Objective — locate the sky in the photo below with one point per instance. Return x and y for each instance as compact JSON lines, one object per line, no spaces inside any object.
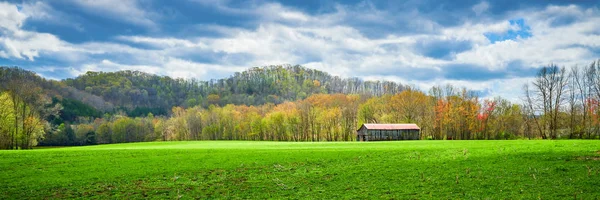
{"x":493,"y":47}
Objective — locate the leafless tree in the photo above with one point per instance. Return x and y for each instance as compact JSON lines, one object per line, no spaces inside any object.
{"x":531,"y":111}
{"x":549,"y":86}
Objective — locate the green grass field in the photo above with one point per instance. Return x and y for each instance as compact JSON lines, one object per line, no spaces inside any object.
{"x":515,"y":169}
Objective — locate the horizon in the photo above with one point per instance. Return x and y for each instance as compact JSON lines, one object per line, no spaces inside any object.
{"x":491,"y":47}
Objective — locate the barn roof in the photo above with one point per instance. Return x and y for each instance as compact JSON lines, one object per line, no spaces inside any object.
{"x":391,"y":126}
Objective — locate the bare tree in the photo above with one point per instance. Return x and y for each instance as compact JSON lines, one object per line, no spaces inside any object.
{"x":573,"y":106}
{"x":530,"y":110}
{"x":582,"y":80}
{"x":549,"y":87}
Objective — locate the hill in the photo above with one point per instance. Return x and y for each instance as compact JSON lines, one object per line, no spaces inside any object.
{"x":256,"y":86}
{"x":139,"y":93}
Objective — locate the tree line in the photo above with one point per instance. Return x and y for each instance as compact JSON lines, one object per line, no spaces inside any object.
{"x":559,"y":103}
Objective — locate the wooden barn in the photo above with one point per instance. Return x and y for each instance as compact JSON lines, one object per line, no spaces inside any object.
{"x":380,"y":132}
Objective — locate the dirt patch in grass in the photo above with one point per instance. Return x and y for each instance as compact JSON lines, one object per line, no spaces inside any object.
{"x":588,"y":158}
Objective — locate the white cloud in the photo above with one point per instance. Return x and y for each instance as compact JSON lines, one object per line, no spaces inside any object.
{"x":563,"y":45}
{"x":121,"y":10}
{"x":162,"y":42}
{"x":10,"y":17}
{"x":37,"y":10}
{"x":266,"y":12}
{"x":276,"y":12}
{"x":21,"y":44}
{"x":474,"y":32}
{"x":28,"y":45}
{"x":41,"y":11}
{"x":480,"y":7}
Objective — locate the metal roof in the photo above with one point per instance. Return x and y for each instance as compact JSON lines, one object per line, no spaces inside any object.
{"x":391,"y":126}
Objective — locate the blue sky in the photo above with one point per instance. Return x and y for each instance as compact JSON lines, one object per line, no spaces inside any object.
{"x":489,"y":46}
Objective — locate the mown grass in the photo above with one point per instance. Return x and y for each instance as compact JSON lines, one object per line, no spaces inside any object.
{"x":515,"y":169}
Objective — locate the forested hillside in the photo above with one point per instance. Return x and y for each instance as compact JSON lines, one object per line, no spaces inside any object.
{"x":140,"y":93}
{"x":17,"y":79}
{"x":284,"y":103}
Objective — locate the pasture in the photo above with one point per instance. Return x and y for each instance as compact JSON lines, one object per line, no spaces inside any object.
{"x":516,"y":169}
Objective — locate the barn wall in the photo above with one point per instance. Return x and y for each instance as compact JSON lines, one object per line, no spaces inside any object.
{"x":382,"y":135}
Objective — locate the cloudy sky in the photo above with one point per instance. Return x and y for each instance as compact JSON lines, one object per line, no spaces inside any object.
{"x":490,"y":46}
